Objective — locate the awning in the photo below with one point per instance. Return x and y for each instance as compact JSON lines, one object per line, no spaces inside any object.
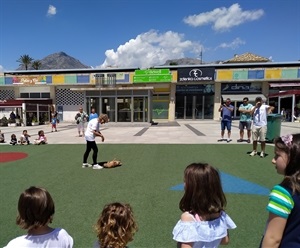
{"x":284,"y":84}
{"x":239,"y":98}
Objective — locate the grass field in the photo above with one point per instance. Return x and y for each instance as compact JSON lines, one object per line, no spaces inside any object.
{"x":144,"y":181}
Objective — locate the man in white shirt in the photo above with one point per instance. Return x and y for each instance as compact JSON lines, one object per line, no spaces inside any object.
{"x":259,"y":129}
{"x":92,"y":131}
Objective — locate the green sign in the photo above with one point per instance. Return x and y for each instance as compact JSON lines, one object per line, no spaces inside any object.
{"x":152,"y":78}
{"x":152,"y":72}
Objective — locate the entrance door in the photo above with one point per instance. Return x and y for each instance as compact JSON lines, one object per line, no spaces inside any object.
{"x":139,"y":111}
{"x":194,"y":107}
{"x":108,"y":107}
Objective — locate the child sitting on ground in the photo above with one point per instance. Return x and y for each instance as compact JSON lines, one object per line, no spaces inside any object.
{"x":115,"y":226}
{"x":42,"y":139}
{"x":13,"y":139}
{"x":25,"y":138}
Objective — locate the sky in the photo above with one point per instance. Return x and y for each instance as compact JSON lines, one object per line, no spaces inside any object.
{"x":146,"y":33}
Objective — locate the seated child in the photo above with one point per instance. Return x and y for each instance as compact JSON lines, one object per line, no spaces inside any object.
{"x":2,"y":140}
{"x":42,"y":139}
{"x":13,"y":139}
{"x":36,"y":209}
{"x":25,"y":138}
{"x":115,"y":226}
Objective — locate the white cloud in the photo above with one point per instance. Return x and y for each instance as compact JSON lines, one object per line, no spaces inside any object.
{"x":150,"y":49}
{"x":1,"y":68}
{"x":51,"y":10}
{"x":232,"y":45}
{"x":222,"y":19}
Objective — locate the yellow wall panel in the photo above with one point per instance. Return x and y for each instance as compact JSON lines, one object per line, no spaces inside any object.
{"x":272,"y":73}
{"x":174,"y":76}
{"x":223,"y":75}
{"x":58,"y":79}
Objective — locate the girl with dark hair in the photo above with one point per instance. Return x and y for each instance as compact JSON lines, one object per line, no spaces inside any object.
{"x":283,"y":225}
{"x":36,"y":210}
{"x":203,"y":222}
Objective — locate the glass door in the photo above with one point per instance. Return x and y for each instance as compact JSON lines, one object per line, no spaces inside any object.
{"x":108,"y":107}
{"x":139,"y":114}
{"x":124,"y":107}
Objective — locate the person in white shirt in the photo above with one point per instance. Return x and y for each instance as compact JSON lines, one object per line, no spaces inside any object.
{"x":259,"y":128}
{"x":36,"y":209}
{"x":92,"y":131}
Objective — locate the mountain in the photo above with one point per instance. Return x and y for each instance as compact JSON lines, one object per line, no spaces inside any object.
{"x":59,"y":60}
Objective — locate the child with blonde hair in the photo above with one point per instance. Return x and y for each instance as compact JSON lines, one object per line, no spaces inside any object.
{"x":283,"y":225}
{"x":116,"y":226}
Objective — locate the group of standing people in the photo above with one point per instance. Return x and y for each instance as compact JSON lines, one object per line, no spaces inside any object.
{"x":253,"y":118}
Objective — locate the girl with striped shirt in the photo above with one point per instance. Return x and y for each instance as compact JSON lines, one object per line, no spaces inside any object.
{"x":283,"y":225}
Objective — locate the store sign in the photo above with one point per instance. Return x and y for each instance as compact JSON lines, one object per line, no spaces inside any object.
{"x":29,"y":80}
{"x":202,"y":89}
{"x":241,"y":88}
{"x":186,"y":75}
{"x":152,"y":76}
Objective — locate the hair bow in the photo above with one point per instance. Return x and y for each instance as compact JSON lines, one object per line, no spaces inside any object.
{"x":287,"y":139}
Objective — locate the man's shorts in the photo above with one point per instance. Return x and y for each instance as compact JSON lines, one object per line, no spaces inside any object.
{"x":245,"y":124}
{"x":226,"y":124}
{"x":259,"y":133}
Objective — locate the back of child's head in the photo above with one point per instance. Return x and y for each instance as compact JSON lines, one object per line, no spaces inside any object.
{"x":290,"y":144}
{"x":203,"y":190}
{"x":41,"y":132}
{"x":35,"y":207}
{"x":116,"y":225}
{"x":13,"y":136}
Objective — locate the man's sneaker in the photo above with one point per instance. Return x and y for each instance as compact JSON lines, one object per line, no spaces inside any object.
{"x":253,"y":153}
{"x":262,"y":155}
{"x":97,"y":167}
{"x":228,"y":140}
{"x":240,"y":140}
{"x":219,"y":140}
{"x":248,"y":141}
{"x":86,"y":165}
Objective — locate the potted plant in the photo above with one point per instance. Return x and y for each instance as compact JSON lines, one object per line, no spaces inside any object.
{"x":3,"y":121}
{"x":34,"y":121}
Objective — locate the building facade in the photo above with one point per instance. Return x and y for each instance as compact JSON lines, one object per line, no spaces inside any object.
{"x":163,"y":93}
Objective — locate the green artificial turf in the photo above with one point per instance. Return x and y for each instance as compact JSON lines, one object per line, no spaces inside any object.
{"x":144,"y":181}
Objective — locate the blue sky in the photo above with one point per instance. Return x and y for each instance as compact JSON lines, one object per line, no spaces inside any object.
{"x":144,"y":33}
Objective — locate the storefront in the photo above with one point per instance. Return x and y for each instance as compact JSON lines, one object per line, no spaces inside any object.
{"x":195,"y":93}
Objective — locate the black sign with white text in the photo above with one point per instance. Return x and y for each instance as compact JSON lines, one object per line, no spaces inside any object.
{"x":195,"y":74}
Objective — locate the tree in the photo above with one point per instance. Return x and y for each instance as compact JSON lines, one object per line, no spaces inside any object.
{"x":36,"y":64}
{"x":25,"y":60}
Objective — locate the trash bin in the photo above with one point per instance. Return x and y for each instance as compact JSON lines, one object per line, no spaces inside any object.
{"x":274,"y":126}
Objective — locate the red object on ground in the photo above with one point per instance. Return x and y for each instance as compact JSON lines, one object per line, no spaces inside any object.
{"x":11,"y":156}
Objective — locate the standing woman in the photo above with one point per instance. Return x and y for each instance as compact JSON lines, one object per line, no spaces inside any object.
{"x":81,"y":118}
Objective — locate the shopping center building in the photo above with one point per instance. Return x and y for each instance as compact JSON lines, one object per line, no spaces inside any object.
{"x":162,"y":93}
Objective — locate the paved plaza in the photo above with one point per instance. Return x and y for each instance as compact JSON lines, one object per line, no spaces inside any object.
{"x":179,"y":132}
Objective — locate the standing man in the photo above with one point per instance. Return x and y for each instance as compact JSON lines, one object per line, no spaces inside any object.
{"x":93,"y":114}
{"x":245,"y":119}
{"x":93,"y":130}
{"x":81,"y":118}
{"x":226,"y":112}
{"x":259,"y":130}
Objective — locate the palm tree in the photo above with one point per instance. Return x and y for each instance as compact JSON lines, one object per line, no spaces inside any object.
{"x":25,"y":60}
{"x":36,"y":64}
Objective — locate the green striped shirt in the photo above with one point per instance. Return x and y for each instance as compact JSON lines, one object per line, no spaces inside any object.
{"x":280,"y":202}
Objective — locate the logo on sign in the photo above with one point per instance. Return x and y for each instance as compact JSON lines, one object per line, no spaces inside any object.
{"x":195,"y":73}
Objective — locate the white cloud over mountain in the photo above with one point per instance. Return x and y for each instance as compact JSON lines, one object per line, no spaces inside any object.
{"x":149,"y":49}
